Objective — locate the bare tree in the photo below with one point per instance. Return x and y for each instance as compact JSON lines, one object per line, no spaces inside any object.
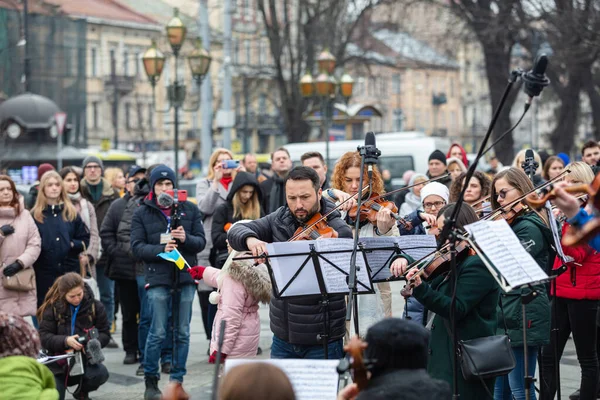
{"x":297,"y":31}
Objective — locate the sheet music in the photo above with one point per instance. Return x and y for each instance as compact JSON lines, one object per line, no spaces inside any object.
{"x":502,"y":247}
{"x":336,"y":281}
{"x":311,"y":379}
{"x":416,"y":246}
{"x":285,"y":267}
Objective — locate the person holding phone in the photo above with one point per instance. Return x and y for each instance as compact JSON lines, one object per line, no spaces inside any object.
{"x":211,"y":193}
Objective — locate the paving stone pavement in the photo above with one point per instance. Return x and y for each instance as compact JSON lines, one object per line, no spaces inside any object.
{"x":124,"y":384}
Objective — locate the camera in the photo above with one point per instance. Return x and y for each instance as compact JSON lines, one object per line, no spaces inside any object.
{"x":231,"y":164}
{"x":180,"y":197}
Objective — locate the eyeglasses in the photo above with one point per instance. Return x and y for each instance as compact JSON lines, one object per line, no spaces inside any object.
{"x":503,"y":192}
{"x":92,"y":167}
{"x":436,"y":204}
{"x":133,"y":180}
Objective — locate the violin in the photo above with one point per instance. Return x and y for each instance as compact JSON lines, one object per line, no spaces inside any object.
{"x":315,"y":228}
{"x":574,"y":236}
{"x":511,"y":213}
{"x":538,"y":202}
{"x":370,"y":208}
{"x":357,"y":365}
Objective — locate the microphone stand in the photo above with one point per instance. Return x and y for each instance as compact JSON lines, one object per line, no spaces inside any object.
{"x":175,"y":289}
{"x":449,"y":232}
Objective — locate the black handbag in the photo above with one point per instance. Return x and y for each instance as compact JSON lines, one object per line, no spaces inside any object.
{"x":485,"y":357}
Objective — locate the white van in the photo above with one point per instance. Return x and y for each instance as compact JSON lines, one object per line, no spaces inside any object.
{"x":400,"y":151}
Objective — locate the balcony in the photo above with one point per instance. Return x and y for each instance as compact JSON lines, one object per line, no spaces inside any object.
{"x":124,"y":84}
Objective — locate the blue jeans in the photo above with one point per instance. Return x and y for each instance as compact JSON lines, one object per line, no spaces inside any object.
{"x":145,"y":322}
{"x":158,"y":299}
{"x":283,"y":349}
{"x":106,"y":286}
{"x":513,"y":385}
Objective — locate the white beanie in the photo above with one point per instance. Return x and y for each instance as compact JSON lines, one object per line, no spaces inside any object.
{"x":435,"y":188}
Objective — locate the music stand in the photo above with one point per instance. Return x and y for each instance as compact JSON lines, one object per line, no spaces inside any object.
{"x":328,"y":275}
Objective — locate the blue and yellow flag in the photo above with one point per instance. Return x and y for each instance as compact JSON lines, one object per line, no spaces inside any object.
{"x":174,"y":256}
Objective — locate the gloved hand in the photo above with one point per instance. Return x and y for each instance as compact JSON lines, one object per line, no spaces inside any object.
{"x":7,"y":230}
{"x":12,"y":269}
{"x":213,"y":358}
{"x":197,"y":272}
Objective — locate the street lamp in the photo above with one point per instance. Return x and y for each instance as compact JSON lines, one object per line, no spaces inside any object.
{"x":324,"y":88}
{"x":154,"y":61}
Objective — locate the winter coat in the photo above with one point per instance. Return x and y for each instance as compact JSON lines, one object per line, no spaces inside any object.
{"x":23,"y":378}
{"x":273,"y":192}
{"x":417,"y":224}
{"x":86,"y":211}
{"x":445,"y":181}
{"x":476,"y":316}
{"x":24,"y":245}
{"x":296,"y":321}
{"x":242,"y":286}
{"x":224,"y":213}
{"x":57,"y":256}
{"x":405,"y":384}
{"x":126,"y":266}
{"x":209,"y":200}
{"x":582,"y":218}
{"x":579,"y":281}
{"x":535,"y":237}
{"x":55,"y":325}
{"x":109,"y":194}
{"x":148,"y":224}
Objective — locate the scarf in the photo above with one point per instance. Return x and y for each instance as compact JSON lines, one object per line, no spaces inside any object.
{"x":277,"y":193}
{"x":84,"y":206}
{"x":225,"y":181}
{"x":413,"y":201}
{"x":95,"y":191}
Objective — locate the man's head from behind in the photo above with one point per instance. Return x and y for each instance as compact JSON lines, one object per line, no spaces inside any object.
{"x":303,"y":193}
{"x":590,"y":152}
{"x":395,"y":343}
{"x":315,"y":160}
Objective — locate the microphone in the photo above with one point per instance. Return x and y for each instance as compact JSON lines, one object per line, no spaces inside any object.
{"x":536,"y":80}
{"x":529,"y":165}
{"x":165,"y":201}
{"x":371,"y":152}
{"x":94,"y":351}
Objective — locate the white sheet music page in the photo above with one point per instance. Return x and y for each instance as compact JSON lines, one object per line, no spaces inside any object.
{"x":502,"y":247}
{"x":285,"y":267}
{"x":311,"y":379}
{"x":335,"y":280}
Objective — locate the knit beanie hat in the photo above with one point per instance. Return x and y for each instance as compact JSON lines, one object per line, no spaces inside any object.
{"x":564,"y":157}
{"x":438,"y":155}
{"x":43,"y":168}
{"x":159,"y":173}
{"x":435,"y":188}
{"x":395,"y":343}
{"x":17,"y":337}
{"x":92,"y":159}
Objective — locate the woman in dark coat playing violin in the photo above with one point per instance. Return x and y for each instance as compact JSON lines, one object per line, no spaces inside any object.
{"x":532,"y":230}
{"x":476,"y":300}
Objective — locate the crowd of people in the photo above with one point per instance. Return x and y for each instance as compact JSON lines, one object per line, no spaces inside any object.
{"x":87,"y":241}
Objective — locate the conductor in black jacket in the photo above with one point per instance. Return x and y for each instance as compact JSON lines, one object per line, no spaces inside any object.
{"x":297,"y":323}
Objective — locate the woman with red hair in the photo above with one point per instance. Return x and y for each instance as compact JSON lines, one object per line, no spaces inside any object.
{"x":456,"y":150}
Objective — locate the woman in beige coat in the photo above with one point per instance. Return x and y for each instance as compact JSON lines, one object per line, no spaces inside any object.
{"x":20,"y":246}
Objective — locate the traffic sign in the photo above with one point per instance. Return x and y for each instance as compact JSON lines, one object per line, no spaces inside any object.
{"x":61,"y":119}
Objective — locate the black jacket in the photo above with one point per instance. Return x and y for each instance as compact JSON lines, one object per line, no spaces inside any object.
{"x":273,"y":186}
{"x":148,"y":224}
{"x":57,"y":256}
{"x":296,"y":321}
{"x":55,"y":325}
{"x":224,"y":213}
{"x":405,"y":384}
{"x":101,"y":207}
{"x":445,"y":181}
{"x":116,"y":235}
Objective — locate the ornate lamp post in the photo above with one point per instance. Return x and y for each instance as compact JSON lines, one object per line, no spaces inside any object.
{"x":154,"y":61}
{"x":324,"y":88}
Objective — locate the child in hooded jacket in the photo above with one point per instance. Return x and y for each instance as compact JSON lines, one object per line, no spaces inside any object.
{"x":241,"y":287}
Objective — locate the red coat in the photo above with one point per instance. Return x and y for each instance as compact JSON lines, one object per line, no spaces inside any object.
{"x":579,"y":281}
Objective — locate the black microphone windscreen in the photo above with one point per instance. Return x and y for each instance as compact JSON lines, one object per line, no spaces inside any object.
{"x":370,"y":139}
{"x":94,"y":351}
{"x":164,"y":200}
{"x":529,"y":153}
{"x":541,"y":63}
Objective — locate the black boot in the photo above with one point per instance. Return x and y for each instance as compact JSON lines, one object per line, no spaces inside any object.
{"x":152,"y":392}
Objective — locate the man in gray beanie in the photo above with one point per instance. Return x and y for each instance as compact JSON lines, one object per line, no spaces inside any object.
{"x":99,"y":192}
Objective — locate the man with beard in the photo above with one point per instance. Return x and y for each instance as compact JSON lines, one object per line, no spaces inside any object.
{"x":297,"y":323}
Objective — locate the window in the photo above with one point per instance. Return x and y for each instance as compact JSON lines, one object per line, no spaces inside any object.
{"x":128,"y":116}
{"x":396,"y":84}
{"x":262,"y":104}
{"x":383,"y":86}
{"x":372,"y":84}
{"x":234,"y":51}
{"x":397,"y":119}
{"x":262,"y":51}
{"x":93,"y":62}
{"x":150,"y":116}
{"x":137,"y":64}
{"x":111,"y":59}
{"x":451,"y":87}
{"x":95,"y":114}
{"x":126,"y":63}
{"x":247,"y":52}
